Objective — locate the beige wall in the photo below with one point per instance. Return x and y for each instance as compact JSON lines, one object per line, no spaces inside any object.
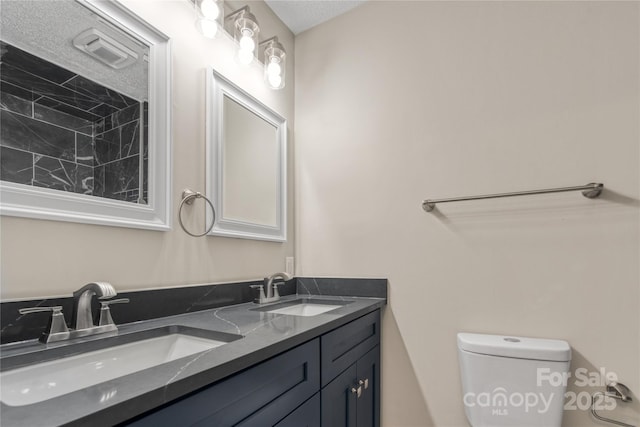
{"x":47,"y":258}
{"x":401,"y":101}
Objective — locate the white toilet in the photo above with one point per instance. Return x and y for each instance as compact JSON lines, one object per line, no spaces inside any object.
{"x":513,"y":381}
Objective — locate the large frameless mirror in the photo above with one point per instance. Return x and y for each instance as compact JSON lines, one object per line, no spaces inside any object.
{"x":84,"y":105}
{"x":246,"y":163}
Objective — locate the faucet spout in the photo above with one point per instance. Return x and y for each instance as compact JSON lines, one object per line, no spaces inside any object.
{"x":268,"y":283}
{"x":82,"y":316}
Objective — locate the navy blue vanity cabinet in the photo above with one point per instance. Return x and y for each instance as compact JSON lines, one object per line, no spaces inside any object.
{"x":330,"y":381}
{"x":350,"y":361}
{"x":259,"y":396}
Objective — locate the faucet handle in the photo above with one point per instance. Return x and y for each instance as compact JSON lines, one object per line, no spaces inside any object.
{"x":55,"y":309}
{"x":105,"y":311}
{"x":275,"y":285}
{"x":108,"y":302}
{"x":261,"y":296}
{"x":56,"y":329}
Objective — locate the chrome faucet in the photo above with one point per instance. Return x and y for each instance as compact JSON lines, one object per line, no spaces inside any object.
{"x":269,"y":290}
{"x":82,"y":316}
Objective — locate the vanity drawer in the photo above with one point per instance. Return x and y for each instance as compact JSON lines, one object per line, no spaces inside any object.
{"x":344,"y":346}
{"x":276,"y":386}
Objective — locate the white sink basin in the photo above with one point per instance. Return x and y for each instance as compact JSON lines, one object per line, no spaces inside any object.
{"x":305,"y":309}
{"x":42,"y":381}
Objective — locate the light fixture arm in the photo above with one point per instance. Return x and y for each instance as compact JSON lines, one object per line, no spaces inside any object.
{"x":269,"y":40}
{"x":237,"y":12}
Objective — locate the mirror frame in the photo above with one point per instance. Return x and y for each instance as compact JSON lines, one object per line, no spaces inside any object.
{"x":45,"y":203}
{"x":217,"y":87}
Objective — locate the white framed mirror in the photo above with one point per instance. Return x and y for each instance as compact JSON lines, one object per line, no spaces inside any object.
{"x":246,"y":163}
{"x":85,"y":89}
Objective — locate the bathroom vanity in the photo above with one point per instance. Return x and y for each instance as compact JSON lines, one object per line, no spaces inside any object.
{"x":336,"y":375}
{"x":307,"y":367}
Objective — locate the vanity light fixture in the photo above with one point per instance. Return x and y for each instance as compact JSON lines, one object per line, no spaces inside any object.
{"x":208,"y":13}
{"x":210,"y":17}
{"x":274,"y":62}
{"x":245,"y":31}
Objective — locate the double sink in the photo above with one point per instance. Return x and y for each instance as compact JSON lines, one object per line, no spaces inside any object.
{"x":51,"y":372}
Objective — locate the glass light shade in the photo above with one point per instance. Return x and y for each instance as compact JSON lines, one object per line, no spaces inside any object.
{"x":275,"y":64}
{"x":245,"y":57}
{"x":246,"y":31}
{"x":208,"y":16}
{"x":210,"y":9}
{"x":247,"y":43}
{"x":207,"y":27}
{"x":275,"y":81}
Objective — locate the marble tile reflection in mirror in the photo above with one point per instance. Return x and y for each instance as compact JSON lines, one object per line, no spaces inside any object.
{"x":246,"y":163}
{"x":77,"y":127}
{"x":63,"y":131}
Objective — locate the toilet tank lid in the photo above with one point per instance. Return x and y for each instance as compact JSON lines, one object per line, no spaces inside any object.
{"x":517,"y":347}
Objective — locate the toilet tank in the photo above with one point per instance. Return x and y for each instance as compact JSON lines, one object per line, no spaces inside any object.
{"x":513,"y":381}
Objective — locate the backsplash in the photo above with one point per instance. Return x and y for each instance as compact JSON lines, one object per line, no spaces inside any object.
{"x":156,"y":303}
{"x":65,"y":132}
{"x":353,"y":287}
{"x":143,"y":305}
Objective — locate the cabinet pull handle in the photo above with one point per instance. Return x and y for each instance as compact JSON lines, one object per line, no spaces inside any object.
{"x":357,"y":391}
{"x":364,"y":383}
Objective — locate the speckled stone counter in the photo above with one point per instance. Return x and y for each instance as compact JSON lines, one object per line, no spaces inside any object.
{"x":265,"y":335}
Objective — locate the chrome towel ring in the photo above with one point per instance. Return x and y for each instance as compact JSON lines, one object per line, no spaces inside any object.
{"x":188,"y":196}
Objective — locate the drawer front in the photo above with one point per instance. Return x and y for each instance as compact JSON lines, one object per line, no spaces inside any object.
{"x":283,"y":382}
{"x":343,"y":346}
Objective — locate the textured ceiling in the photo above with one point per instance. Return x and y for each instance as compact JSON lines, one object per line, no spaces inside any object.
{"x":46,"y":29}
{"x":300,"y":15}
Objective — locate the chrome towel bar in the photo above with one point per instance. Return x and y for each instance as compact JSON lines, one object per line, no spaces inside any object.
{"x":591,"y":191}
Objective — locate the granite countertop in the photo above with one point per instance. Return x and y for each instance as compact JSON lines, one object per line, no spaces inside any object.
{"x":265,"y":335}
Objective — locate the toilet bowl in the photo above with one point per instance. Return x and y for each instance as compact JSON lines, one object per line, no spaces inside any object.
{"x":513,"y":381}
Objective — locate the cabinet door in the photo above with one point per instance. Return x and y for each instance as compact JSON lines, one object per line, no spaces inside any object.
{"x":339,"y":402}
{"x":368,"y":369}
{"x":307,"y":415}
